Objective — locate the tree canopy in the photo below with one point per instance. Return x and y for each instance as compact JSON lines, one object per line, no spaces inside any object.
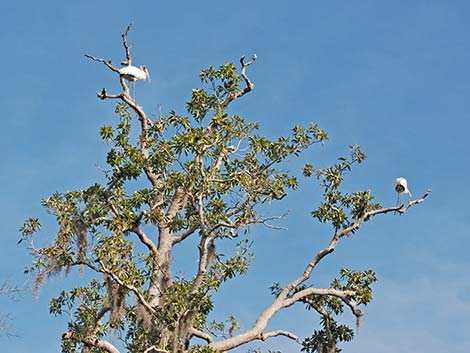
{"x":173,"y":178}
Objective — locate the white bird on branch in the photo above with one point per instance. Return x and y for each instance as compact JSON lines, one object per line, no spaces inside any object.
{"x":133,"y":73}
{"x":401,"y":187}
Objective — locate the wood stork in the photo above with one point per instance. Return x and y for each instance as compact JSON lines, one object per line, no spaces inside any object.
{"x":401,"y":187}
{"x":133,"y":73}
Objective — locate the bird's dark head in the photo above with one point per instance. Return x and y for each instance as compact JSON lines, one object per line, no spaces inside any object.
{"x":399,"y":188}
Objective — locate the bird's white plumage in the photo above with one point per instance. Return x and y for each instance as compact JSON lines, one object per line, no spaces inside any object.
{"x":401,"y":186}
{"x":132,"y":73}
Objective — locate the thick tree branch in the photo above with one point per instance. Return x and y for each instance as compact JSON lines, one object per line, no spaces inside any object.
{"x":185,"y":234}
{"x":144,"y":239}
{"x":202,"y":335}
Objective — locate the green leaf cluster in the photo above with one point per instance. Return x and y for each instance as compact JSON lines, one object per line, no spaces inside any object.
{"x":339,"y":208}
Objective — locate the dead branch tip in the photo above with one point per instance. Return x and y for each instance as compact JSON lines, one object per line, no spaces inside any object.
{"x":242,"y":61}
{"x":126,"y":46}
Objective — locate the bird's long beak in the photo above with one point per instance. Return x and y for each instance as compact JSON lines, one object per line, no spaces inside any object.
{"x":147,"y":74}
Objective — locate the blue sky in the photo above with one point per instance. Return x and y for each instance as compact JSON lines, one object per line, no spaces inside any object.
{"x":390,"y":76}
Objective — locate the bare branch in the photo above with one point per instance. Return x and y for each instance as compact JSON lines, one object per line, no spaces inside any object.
{"x":5,"y":318}
{"x":249,"y":85}
{"x":265,"y":336}
{"x":153,"y":349}
{"x":108,"y":63}
{"x":103,"y":344}
{"x":104,"y":95}
{"x":126,"y":47}
{"x":92,"y":341}
{"x":202,"y":335}
{"x":344,"y":295}
{"x":185,"y":234}
{"x":414,"y":202}
{"x":7,"y":288}
{"x":144,"y":239}
{"x":265,"y":221}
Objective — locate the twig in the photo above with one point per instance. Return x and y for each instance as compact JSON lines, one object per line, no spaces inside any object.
{"x":108,"y":63}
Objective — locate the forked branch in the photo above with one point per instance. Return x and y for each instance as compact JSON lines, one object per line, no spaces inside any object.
{"x":249,"y":85}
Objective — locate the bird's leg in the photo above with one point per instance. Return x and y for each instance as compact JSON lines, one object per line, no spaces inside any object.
{"x":398,"y":200}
